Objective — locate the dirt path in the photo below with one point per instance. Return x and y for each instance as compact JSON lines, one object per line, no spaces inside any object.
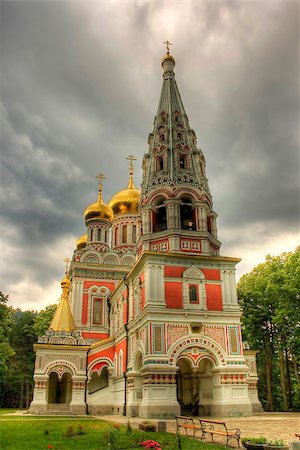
{"x":270,"y":425}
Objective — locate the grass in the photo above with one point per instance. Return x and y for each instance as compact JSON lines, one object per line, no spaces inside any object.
{"x":31,"y":433}
{"x":7,"y":411}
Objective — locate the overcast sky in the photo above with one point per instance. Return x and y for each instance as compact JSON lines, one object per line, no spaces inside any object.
{"x":80,"y":83}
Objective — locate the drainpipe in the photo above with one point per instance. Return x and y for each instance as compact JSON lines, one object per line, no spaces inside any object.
{"x":126,"y":353}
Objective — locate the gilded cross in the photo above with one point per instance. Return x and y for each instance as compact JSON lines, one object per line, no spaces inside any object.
{"x":168,"y":43}
{"x":101,"y":178}
{"x":67,"y":261}
{"x":131,"y":158}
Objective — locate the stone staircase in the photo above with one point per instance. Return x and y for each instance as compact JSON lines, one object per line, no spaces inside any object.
{"x":58,"y":409}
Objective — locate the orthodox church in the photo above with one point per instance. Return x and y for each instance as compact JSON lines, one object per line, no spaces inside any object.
{"x":148,"y":323}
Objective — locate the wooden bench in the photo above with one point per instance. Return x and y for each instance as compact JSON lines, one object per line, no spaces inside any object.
{"x":212,"y":427}
{"x":188,"y":423}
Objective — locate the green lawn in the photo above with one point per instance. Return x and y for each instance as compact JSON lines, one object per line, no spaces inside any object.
{"x":7,"y":411}
{"x":39,"y":433}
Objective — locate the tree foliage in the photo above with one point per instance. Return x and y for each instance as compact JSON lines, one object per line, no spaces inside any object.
{"x":270,"y":299}
{"x":19,"y":330}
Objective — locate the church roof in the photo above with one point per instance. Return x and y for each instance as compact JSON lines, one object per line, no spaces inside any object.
{"x":63,"y":318}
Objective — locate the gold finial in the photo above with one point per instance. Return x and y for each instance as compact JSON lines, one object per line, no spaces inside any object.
{"x":131,"y":158}
{"x":101,"y":178}
{"x":168,"y":43}
{"x":67,"y":261}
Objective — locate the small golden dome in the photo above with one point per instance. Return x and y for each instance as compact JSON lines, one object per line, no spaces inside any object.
{"x":126,"y":201}
{"x":99,"y":209}
{"x":167,"y":56}
{"x":81,"y":242}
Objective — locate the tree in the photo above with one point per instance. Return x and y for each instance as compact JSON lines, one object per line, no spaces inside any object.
{"x":6,"y":350}
{"x":269,"y":296}
{"x":43,"y":320}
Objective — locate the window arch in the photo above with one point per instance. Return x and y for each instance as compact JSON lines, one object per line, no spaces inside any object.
{"x":159,"y":215}
{"x":182,"y":162}
{"x":161,"y":138}
{"x":179,"y":136}
{"x":160,"y":163}
{"x":187,"y":214}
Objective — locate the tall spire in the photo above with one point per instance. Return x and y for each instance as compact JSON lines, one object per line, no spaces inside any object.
{"x":176,"y":204}
{"x":63,"y":319}
{"x":173,"y":140}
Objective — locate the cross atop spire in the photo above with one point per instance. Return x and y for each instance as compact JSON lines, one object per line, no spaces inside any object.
{"x":131,"y":158}
{"x":67,"y":261}
{"x":101,"y":178}
{"x":168,"y":43}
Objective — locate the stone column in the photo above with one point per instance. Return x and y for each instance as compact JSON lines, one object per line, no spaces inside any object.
{"x":146,"y":219}
{"x":39,"y":402}
{"x":173,"y":214}
{"x":134,"y":393}
{"x":159,"y":399}
{"x":201,"y":212}
{"x":78,"y":404}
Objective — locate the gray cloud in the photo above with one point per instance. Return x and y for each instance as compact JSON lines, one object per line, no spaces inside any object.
{"x":80,"y":83}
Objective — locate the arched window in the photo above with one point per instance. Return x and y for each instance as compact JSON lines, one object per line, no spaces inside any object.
{"x":124,"y":234}
{"x":179,"y":136}
{"x":182,"y":161}
{"x":116,"y":236}
{"x":161,"y":137}
{"x":193,"y":297}
{"x":159,"y":163}
{"x":187,"y":214}
{"x":133,"y":235}
{"x":91,"y":235}
{"x":91,"y":259}
{"x":160,"y":219}
{"x":97,"y":311}
{"x":99,"y":234}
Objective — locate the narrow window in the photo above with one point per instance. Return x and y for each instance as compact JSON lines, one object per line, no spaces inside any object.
{"x":193,"y":294}
{"x":124,"y":234}
{"x":99,"y":234}
{"x":105,"y":236}
{"x":116,"y":236}
{"x":97,"y":311}
{"x":182,"y":162}
{"x":179,"y":136}
{"x":133,"y":234}
{"x":159,"y":163}
{"x":161,"y":138}
{"x":91,"y":235}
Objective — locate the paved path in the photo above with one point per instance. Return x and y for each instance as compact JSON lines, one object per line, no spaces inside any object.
{"x":270,"y":425}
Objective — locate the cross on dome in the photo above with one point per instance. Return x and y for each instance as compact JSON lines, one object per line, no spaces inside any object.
{"x":67,"y":261}
{"x":131,"y":158}
{"x":101,"y":177}
{"x":168,"y":43}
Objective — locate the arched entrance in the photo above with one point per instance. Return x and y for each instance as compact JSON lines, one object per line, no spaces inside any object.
{"x":59,"y":388}
{"x":194,"y":386}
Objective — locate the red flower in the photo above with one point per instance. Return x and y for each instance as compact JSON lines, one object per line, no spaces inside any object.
{"x":50,"y":446}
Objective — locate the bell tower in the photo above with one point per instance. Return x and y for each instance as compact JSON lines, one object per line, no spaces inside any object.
{"x":176,"y":204}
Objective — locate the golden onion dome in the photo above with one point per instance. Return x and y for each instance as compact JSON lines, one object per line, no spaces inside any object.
{"x":169,"y":57}
{"x":126,"y":201}
{"x":99,"y":209}
{"x":81,"y":242}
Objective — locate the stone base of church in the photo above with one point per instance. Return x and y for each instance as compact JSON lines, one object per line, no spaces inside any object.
{"x":158,"y":411}
{"x":100,"y":410}
{"x":231,"y":409}
{"x":257,"y":407}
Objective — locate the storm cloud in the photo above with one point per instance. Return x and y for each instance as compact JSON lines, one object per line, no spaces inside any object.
{"x":80,"y":84}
